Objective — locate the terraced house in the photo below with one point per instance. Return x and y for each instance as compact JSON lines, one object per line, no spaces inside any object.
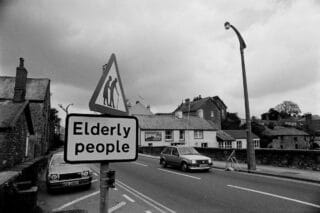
{"x":176,"y":129}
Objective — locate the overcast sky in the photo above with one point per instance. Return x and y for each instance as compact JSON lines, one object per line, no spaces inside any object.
{"x":168,"y":50}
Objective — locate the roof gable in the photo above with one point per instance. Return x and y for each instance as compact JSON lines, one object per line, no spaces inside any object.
{"x":36,"y":89}
{"x":11,"y":111}
{"x":139,"y":109}
{"x":284,"y":131}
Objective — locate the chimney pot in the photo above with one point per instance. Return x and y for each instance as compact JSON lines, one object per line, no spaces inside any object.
{"x":21,"y":64}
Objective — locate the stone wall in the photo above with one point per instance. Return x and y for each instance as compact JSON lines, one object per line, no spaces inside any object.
{"x":13,"y":144}
{"x":302,"y":159}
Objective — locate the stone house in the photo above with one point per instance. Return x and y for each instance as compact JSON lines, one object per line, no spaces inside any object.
{"x":176,"y":129}
{"x":240,"y":140}
{"x":37,"y":92}
{"x":139,"y":109}
{"x":212,"y":108}
{"x":287,"y":138}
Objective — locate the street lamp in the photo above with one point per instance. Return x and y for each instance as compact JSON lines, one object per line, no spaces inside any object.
{"x":250,"y":148}
{"x":65,"y":109}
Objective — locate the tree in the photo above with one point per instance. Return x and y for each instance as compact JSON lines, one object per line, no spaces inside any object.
{"x":288,"y":109}
{"x":232,"y":121}
{"x":55,"y":125}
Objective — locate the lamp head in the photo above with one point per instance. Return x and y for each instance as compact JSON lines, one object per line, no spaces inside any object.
{"x":227,"y":25}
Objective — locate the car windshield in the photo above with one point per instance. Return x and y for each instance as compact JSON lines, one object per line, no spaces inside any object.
{"x":187,"y":151}
{"x":57,"y":160}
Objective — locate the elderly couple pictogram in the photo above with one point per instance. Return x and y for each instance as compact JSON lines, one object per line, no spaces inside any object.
{"x":108,"y":93}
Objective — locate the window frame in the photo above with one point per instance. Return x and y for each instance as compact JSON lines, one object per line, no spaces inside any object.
{"x":197,"y":135}
{"x":166,"y":135}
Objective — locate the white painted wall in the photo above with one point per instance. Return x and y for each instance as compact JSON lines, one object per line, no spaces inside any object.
{"x":209,"y":137}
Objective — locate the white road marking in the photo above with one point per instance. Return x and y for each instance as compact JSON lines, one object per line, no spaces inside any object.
{"x":194,"y":177}
{"x":75,"y":201}
{"x":277,"y":196}
{"x":141,"y":196}
{"x":148,"y":211}
{"x":140,"y":164}
{"x":128,"y":198}
{"x":145,"y":198}
{"x":116,"y":207}
{"x":95,"y":180}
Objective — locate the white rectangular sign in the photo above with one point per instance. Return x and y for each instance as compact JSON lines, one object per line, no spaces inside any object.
{"x":98,"y":138}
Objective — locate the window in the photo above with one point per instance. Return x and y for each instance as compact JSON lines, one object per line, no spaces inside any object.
{"x":228,"y":144}
{"x":295,"y":139}
{"x":296,"y":146}
{"x":198,"y":134}
{"x":27,"y":145}
{"x":167,"y":150}
{"x":212,"y":114}
{"x":169,"y":135}
{"x":204,"y":145}
{"x":181,"y":135}
{"x":256,"y":143}
{"x":239,"y":145}
{"x":149,"y":144}
{"x":175,"y":152}
{"x":221,"y":145}
{"x":152,"y":136}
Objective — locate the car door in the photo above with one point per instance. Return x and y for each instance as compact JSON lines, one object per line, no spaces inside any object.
{"x":175,"y":157}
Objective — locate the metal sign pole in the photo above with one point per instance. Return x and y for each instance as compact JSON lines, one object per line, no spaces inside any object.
{"x":104,"y":189}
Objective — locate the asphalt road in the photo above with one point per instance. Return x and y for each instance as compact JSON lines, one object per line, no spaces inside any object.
{"x":143,"y":186}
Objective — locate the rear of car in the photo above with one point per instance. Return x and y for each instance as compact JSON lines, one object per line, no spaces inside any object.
{"x":63,"y":175}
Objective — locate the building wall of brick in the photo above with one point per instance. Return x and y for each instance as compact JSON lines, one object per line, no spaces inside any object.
{"x":13,"y":144}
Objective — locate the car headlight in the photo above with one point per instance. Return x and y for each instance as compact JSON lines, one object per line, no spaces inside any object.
{"x":54,"y":177}
{"x":85,"y":173}
{"x":193,"y":161}
{"x":210,"y":161}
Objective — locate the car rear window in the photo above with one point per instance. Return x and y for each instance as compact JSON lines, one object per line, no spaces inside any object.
{"x":166,"y":150}
{"x":188,"y":151}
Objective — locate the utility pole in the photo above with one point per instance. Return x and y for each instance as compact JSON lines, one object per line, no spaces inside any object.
{"x":250,"y":147}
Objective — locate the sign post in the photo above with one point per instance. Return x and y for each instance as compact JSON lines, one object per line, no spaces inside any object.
{"x":109,"y":137}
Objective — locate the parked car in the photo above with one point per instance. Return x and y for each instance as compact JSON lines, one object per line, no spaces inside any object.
{"x":187,"y":158}
{"x":63,"y":175}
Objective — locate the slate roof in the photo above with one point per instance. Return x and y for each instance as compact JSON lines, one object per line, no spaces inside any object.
{"x":240,"y":134}
{"x":224,"y":136}
{"x":284,"y":131}
{"x":163,"y":122}
{"x":36,"y":88}
{"x":197,"y":104}
{"x":11,"y":111}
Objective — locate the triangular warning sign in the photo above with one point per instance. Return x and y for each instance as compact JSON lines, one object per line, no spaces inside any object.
{"x":108,"y":97}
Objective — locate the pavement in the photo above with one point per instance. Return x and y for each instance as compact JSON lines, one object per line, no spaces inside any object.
{"x":282,"y":172}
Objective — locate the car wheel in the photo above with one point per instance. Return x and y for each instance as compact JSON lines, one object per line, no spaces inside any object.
{"x":163,"y":163}
{"x":184,"y":167}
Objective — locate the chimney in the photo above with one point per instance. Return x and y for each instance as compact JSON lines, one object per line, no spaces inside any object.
{"x":187,"y":100}
{"x":178,"y":114}
{"x":137,"y":102}
{"x":21,"y":82}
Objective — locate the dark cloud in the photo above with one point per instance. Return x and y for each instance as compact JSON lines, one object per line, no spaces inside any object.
{"x":166,"y":50}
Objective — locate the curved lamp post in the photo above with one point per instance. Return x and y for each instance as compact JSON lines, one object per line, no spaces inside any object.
{"x":250,"y":147}
{"x":65,"y":109}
